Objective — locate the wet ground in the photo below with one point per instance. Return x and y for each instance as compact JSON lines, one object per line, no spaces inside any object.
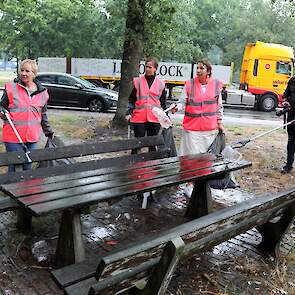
{"x":234,"y":267}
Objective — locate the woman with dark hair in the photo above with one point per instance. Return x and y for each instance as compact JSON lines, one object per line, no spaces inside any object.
{"x":202,"y":101}
{"x":148,"y":92}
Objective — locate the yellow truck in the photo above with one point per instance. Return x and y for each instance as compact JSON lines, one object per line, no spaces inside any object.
{"x":266,"y":69}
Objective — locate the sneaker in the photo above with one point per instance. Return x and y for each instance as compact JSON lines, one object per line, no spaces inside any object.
{"x":286,"y":169}
{"x":188,"y":190}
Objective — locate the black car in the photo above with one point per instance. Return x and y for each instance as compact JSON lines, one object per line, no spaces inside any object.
{"x":67,"y":90}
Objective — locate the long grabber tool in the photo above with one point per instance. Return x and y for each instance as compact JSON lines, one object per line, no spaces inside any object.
{"x":241,"y":143}
{"x":25,"y":148}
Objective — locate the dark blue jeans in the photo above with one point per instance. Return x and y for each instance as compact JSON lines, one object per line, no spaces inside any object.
{"x":12,"y":147}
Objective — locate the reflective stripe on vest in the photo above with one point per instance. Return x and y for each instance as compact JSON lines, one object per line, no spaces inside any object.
{"x":201,"y":108}
{"x":25,"y":113}
{"x":146,"y":99}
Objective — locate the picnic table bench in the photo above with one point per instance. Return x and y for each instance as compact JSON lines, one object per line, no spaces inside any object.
{"x":73,"y":187}
{"x":72,"y":152}
{"x":147,"y":266}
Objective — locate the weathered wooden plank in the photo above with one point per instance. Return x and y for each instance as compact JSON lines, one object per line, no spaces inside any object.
{"x":8,"y":178}
{"x":125,"y":174}
{"x":128,"y":277}
{"x":125,"y":190}
{"x":73,"y":273}
{"x":162,"y":273}
{"x":7,"y":204}
{"x":38,"y":194}
{"x":213,"y":228}
{"x":80,"y":150}
{"x":198,"y":235}
{"x":136,"y":161}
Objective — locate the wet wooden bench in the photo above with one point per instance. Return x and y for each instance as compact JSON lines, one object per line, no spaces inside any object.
{"x":72,"y":191}
{"x":146,"y":267}
{"x":74,"y":151}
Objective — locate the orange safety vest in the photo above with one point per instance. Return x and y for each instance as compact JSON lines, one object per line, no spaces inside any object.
{"x":25,"y":112}
{"x":201,"y":108}
{"x":146,"y":99}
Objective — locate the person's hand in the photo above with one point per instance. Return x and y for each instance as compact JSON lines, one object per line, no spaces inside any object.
{"x":128,"y":117}
{"x":2,"y":114}
{"x":285,"y":104}
{"x":174,"y":110}
{"x":220,"y":127}
{"x":50,"y":135}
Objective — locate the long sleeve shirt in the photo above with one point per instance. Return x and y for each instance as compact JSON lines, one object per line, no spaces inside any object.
{"x":133,"y":97}
{"x":289,"y":96}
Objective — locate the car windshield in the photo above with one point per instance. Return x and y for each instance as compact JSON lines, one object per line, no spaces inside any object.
{"x":85,"y":82}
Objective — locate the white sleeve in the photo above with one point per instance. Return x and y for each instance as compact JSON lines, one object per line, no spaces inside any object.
{"x":183,"y":97}
{"x":219,"y":108}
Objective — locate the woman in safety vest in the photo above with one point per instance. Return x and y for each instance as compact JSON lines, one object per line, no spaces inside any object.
{"x":148,"y":92}
{"x":25,"y":100}
{"x":202,"y":102}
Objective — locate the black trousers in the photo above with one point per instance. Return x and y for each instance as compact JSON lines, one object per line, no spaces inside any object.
{"x":143,"y":129}
{"x":291,"y":145}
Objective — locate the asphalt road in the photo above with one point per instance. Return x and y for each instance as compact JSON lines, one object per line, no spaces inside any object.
{"x":232,"y":116}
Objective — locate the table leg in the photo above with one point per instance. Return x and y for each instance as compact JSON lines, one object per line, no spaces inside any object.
{"x":24,"y":221}
{"x":70,"y":247}
{"x":200,"y":202}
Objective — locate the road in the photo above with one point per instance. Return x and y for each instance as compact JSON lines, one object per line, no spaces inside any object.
{"x":232,"y":116}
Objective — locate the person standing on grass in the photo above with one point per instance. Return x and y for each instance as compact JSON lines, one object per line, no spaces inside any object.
{"x":202,"y":101}
{"x":25,"y":100}
{"x":148,"y":92}
{"x":289,"y":102}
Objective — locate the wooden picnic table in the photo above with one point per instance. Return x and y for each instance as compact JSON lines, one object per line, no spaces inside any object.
{"x":71,"y":192}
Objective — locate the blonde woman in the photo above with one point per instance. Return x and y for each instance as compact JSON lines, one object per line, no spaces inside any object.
{"x":25,"y":100}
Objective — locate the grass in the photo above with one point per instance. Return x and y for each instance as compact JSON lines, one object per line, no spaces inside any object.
{"x":73,"y":126}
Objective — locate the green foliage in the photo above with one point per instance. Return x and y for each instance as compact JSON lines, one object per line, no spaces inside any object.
{"x":32,"y":28}
{"x":179,"y":30}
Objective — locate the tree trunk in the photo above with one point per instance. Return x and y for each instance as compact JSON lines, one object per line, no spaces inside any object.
{"x":132,"y":55}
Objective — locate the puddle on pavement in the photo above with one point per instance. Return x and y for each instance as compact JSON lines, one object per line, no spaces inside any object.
{"x":99,"y":233}
{"x":40,"y":251}
{"x":230,"y":196}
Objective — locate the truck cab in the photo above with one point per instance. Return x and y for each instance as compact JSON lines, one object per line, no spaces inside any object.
{"x":266,"y":69}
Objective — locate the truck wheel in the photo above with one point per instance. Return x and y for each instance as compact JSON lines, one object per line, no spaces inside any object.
{"x":96,"y":105}
{"x":267,"y":102}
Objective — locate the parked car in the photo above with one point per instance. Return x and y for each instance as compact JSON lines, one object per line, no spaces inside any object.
{"x":71,"y":91}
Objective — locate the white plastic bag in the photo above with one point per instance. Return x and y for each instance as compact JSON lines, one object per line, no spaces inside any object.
{"x":162,"y":117}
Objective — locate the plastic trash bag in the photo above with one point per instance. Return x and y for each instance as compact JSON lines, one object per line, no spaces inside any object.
{"x":52,"y":143}
{"x":216,"y":148}
{"x":169,"y":142}
{"x":164,"y":120}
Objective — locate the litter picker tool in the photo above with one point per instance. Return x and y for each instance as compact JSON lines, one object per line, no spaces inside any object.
{"x":241,"y":143}
{"x":230,"y":152}
{"x":25,"y":148}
